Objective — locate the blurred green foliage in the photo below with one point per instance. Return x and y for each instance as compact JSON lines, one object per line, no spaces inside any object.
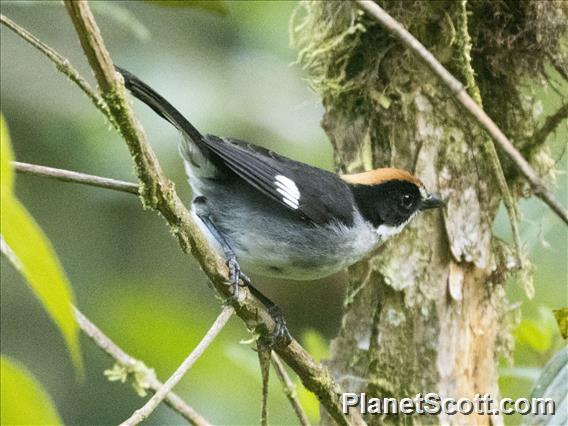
{"x":537,"y":333}
{"x":6,"y":156}
{"x":215,"y":6}
{"x":316,"y":344}
{"x":231,"y":76}
{"x":561,"y":316}
{"x":32,"y":255}
{"x":23,"y":400}
{"x":537,"y":336}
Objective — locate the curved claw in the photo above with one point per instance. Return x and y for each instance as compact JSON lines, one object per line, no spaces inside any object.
{"x":235,"y":276}
{"x":280,"y":336}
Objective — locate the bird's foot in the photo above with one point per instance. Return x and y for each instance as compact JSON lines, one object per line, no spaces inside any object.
{"x":280,"y":336}
{"x":235,"y":277}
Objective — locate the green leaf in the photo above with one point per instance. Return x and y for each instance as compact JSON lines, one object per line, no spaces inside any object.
{"x":214,"y":6}
{"x":537,"y":333}
{"x":6,"y":156}
{"x":309,"y":403}
{"x":534,"y":335}
{"x":23,"y":399}
{"x":561,"y":316}
{"x":315,"y":344}
{"x":41,"y":269}
{"x":30,"y":251}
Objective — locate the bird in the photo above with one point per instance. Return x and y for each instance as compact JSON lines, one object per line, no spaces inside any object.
{"x":274,"y":216}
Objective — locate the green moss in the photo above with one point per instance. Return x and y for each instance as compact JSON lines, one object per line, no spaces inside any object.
{"x":512,"y":49}
{"x":384,"y":107}
{"x":325,"y":34}
{"x":346,"y":55}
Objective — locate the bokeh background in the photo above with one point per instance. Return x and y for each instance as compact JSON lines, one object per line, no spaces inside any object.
{"x":231,"y":75}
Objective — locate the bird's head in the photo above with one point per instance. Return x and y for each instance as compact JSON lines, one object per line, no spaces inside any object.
{"x":389,"y":198}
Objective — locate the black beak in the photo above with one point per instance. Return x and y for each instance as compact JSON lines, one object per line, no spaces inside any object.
{"x":431,"y":202}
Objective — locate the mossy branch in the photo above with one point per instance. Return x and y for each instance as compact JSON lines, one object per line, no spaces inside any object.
{"x":157,"y":192}
{"x":141,"y":414}
{"x":76,"y":177}
{"x":104,"y":342}
{"x":289,"y":390}
{"x":464,"y":45}
{"x":460,"y":94}
{"x":550,"y":125}
{"x":62,"y":64}
{"x":126,"y":361}
{"x":264,"y":362}
{"x":559,"y":65}
{"x":143,"y":376}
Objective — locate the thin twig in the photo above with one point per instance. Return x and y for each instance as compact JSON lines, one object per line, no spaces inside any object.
{"x":9,"y":254}
{"x":488,"y":145}
{"x":75,"y":177}
{"x":264,"y":361}
{"x":81,"y":178}
{"x":549,"y":126}
{"x":158,"y":192}
{"x":559,"y":65}
{"x":121,"y":357}
{"x":153,"y":402}
{"x":457,"y":90}
{"x":107,"y":345}
{"x":61,"y":63}
{"x":289,"y":390}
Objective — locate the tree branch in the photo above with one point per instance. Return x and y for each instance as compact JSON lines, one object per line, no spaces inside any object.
{"x":61,"y":63}
{"x":125,"y":360}
{"x":76,"y":177}
{"x":150,"y":406}
{"x":457,"y":90}
{"x":82,"y":178}
{"x":549,"y":126}
{"x":488,"y":145}
{"x":157,"y":192}
{"x":559,"y":65}
{"x":121,"y":357}
{"x":289,"y":390}
{"x":264,"y":362}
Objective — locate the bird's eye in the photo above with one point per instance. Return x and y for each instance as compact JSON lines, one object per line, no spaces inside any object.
{"x":406,"y":201}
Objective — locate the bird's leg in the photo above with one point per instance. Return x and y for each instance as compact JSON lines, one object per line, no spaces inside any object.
{"x":280,"y":336}
{"x":235,"y":273}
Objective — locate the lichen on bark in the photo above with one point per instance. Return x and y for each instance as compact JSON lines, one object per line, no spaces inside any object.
{"x":428,"y":313}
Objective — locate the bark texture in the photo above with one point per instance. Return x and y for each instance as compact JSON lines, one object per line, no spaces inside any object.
{"x":428,"y":313}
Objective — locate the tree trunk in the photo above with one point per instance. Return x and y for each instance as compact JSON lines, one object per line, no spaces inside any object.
{"x":428,"y":312}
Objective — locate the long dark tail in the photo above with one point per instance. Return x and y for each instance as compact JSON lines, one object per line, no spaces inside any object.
{"x":162,"y":107}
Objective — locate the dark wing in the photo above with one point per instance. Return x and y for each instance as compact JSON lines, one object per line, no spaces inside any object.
{"x":314,"y":194}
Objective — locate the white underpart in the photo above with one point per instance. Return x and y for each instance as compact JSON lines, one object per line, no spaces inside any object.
{"x":289,"y":191}
{"x":386,"y":231}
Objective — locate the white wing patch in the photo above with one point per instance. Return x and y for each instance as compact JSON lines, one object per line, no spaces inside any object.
{"x":289,"y":191}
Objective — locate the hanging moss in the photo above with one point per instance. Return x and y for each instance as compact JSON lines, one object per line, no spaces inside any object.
{"x":433,"y":304}
{"x":513,"y":42}
{"x":348,"y":56}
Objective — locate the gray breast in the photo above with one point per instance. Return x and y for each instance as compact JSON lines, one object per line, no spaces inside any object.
{"x":272,"y":241}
